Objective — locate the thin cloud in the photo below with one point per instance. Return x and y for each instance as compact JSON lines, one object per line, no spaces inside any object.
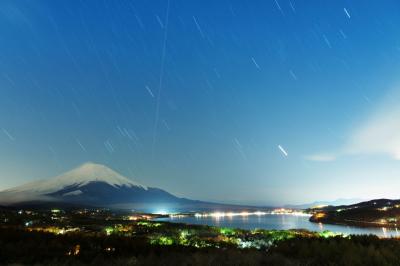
{"x":321,"y":157}
{"x":379,"y":134}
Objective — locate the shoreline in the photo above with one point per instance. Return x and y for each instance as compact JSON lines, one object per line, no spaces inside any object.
{"x":358,"y":224}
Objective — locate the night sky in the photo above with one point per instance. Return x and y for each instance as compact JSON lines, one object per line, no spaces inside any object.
{"x":254,"y":102}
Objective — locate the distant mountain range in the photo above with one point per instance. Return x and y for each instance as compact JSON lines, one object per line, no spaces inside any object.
{"x":337,"y":202}
{"x":95,"y":185}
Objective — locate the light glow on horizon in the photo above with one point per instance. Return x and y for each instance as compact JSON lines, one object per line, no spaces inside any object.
{"x":282,"y":211}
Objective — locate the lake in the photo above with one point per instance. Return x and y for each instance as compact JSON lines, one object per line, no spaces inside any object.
{"x":279,"y":222}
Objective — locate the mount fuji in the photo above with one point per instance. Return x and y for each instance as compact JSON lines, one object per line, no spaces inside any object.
{"x":94,"y":185}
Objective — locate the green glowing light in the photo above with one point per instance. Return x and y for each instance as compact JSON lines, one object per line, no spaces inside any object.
{"x":327,"y":234}
{"x":149,"y":224}
{"x":109,"y":230}
{"x":183,"y":238}
{"x":162,"y":240}
{"x":227,"y":231}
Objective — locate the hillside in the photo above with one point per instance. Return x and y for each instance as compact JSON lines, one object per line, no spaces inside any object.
{"x":373,"y":213}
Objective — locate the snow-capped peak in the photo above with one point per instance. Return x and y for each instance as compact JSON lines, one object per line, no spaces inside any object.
{"x":83,"y":175}
{"x":92,"y":172}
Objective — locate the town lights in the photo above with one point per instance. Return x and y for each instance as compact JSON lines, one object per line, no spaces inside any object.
{"x":245,"y":213}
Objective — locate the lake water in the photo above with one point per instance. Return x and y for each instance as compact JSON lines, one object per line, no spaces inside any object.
{"x":279,"y":222}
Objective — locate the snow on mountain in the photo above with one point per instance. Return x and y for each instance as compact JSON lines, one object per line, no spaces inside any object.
{"x":81,"y":176}
{"x":93,"y":185}
{"x":73,"y":193}
{"x":97,"y":185}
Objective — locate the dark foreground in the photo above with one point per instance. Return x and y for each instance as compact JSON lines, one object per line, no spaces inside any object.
{"x":38,"y":248}
{"x":103,"y":238}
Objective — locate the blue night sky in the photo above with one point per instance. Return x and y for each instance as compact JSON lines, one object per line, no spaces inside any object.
{"x":258,"y":102}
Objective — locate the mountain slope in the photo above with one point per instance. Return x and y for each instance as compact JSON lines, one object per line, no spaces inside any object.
{"x":95,"y":185}
{"x":81,"y":176}
{"x":90,"y":185}
{"x":372,"y":213}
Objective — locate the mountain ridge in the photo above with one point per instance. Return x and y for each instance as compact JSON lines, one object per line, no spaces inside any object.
{"x":82,"y":175}
{"x":89,"y":184}
{"x":97,"y":185}
{"x":371,"y":213}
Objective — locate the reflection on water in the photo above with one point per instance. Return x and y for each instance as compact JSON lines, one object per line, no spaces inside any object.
{"x":279,"y":222}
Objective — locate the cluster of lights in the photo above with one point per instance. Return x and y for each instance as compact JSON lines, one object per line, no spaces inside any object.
{"x":245,"y":214}
{"x":54,"y":230}
{"x":74,"y":251}
{"x":289,"y":212}
{"x":137,"y":217}
{"x":177,"y":215}
{"x":320,"y":215}
{"x":227,"y":214}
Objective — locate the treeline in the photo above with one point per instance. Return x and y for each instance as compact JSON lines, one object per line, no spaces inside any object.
{"x":36,"y":248}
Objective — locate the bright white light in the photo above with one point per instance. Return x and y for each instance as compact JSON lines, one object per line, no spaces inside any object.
{"x":161,"y":212}
{"x":347,"y":12}
{"x":218,"y":215}
{"x":283,"y":150}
